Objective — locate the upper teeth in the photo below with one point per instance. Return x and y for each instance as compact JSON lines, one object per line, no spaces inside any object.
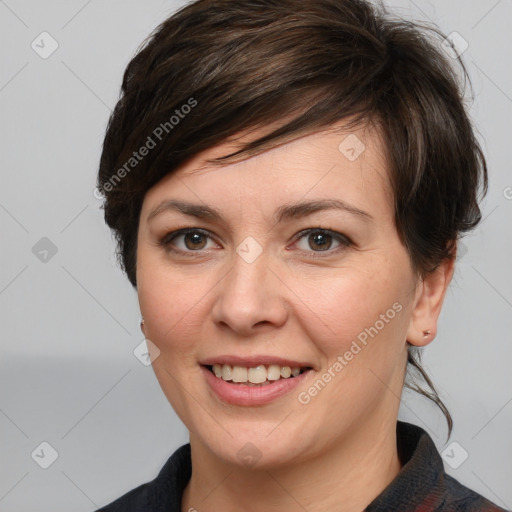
{"x":255,"y":375}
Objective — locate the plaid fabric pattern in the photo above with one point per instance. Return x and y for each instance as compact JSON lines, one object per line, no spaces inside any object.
{"x":423,"y":485}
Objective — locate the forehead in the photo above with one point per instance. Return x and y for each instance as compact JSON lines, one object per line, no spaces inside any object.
{"x":334,"y":163}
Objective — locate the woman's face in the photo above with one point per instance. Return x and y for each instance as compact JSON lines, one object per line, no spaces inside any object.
{"x":291,"y":259}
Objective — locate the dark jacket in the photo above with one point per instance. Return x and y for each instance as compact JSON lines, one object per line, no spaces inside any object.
{"x":422,"y":484}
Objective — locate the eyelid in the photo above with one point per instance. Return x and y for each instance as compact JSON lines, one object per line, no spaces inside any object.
{"x":344,"y":240}
{"x":166,"y":240}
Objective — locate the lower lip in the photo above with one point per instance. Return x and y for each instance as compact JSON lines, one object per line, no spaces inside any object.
{"x":240,"y":394}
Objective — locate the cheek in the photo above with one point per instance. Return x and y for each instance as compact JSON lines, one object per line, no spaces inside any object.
{"x":171,"y":306}
{"x":170,"y":302}
{"x":339,"y":310}
{"x":359,"y":326}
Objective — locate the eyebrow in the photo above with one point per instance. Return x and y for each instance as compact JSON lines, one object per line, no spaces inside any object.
{"x":284,"y":212}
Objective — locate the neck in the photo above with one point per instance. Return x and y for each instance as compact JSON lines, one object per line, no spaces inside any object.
{"x":346,"y":477}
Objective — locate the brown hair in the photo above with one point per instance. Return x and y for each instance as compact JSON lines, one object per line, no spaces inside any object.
{"x":217,"y":68}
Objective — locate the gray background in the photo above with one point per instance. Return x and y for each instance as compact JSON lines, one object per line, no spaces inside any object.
{"x":70,"y":320}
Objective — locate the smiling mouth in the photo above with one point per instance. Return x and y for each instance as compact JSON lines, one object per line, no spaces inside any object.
{"x":260,"y":375}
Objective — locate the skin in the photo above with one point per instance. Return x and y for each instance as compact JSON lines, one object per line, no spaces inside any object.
{"x":337,"y":452}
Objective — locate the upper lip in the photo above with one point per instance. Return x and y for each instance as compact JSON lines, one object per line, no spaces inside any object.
{"x":253,"y":361}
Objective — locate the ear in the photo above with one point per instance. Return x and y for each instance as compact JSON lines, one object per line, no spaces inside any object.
{"x":429,"y":297}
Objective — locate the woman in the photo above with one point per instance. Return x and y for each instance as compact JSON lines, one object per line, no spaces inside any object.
{"x":287,"y":181}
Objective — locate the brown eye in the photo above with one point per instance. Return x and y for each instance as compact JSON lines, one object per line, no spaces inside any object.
{"x":194,"y":240}
{"x":322,"y":240}
{"x":187,"y":240}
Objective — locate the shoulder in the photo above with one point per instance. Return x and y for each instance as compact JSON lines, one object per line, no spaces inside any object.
{"x":423,"y":483}
{"x":162,"y":493}
{"x":458,"y":497}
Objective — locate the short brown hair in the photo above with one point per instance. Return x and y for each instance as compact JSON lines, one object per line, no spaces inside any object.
{"x":249,"y":63}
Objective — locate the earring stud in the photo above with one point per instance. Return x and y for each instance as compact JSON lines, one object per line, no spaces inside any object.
{"x":142,"y":324}
{"x":426,"y":333}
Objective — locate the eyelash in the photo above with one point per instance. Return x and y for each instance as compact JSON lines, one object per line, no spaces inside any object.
{"x":344,"y":241}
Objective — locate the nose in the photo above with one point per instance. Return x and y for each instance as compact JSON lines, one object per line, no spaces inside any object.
{"x":251,"y":297}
